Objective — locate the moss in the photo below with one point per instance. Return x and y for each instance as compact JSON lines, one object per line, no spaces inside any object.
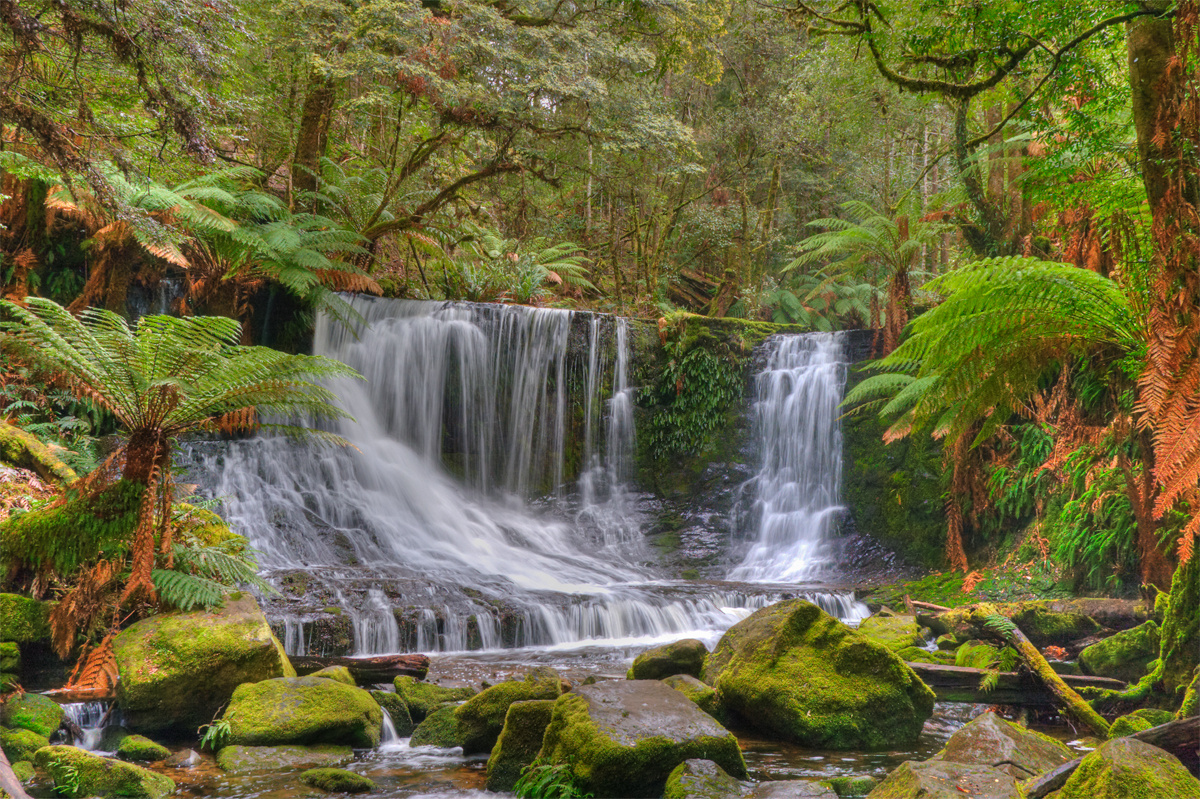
{"x":700,"y":779}
{"x":1128,"y":725}
{"x":23,"y":619}
{"x":10,"y":656}
{"x":852,"y":787}
{"x":439,"y":728}
{"x":247,"y":759}
{"x":1191,"y":698}
{"x":1129,"y":769}
{"x":481,"y":718}
{"x":32,"y":712}
{"x":141,"y":749}
{"x":22,"y":449}
{"x":206,"y":528}
{"x":423,"y":697}
{"x":940,"y":779}
{"x":24,"y":772}
{"x":339,"y":673}
{"x":336,"y":780}
{"x":396,"y":710}
{"x":519,"y":742}
{"x":19,"y":744}
{"x":916,"y":654}
{"x":303,"y":710}
{"x":894,"y":632}
{"x":1180,"y":634}
{"x":681,"y":657}
{"x":794,"y":671}
{"x":76,"y":772}
{"x":704,"y":696}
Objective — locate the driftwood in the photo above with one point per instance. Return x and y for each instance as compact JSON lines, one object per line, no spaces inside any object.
{"x":961,"y":684}
{"x":66,"y":696}
{"x":1181,"y":738}
{"x":9,"y":784}
{"x":929,"y":606}
{"x":367,"y":670}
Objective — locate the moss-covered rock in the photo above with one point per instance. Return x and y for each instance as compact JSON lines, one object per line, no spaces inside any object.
{"x":852,"y":787}
{"x":794,"y":671}
{"x":246,"y":759}
{"x":397,"y":710}
{"x":939,"y":779}
{"x":1180,"y":632}
{"x":24,"y":771}
{"x":140,"y":749}
{"x":1123,"y":656}
{"x":339,"y":673}
{"x":916,"y":654}
{"x":1191,"y":698}
{"x":989,"y":740}
{"x":481,"y":718}
{"x":23,"y":619}
{"x":20,"y":744}
{"x":682,"y":657}
{"x":519,"y":742}
{"x":439,"y":728}
{"x":32,"y":712}
{"x":76,"y":772}
{"x":177,"y":670}
{"x":894,"y":632}
{"x":422,"y":698}
{"x":624,"y":737}
{"x":22,"y":449}
{"x":703,"y":695}
{"x":1138,"y":720}
{"x":336,"y":780}
{"x":701,"y":779}
{"x":1126,"y":768}
{"x":790,"y":789}
{"x":303,"y":710}
{"x":10,"y":657}
{"x":1045,"y":622}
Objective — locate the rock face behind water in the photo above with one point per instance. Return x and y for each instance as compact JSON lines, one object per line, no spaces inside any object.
{"x":938,"y":779}
{"x":624,"y":737}
{"x":1129,"y":769}
{"x":991,"y":741}
{"x":793,"y":671}
{"x":177,"y":670}
{"x":303,"y":710}
{"x":682,"y":657}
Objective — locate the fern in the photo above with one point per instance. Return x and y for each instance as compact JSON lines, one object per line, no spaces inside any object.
{"x":1000,"y":626}
{"x":187,"y":591}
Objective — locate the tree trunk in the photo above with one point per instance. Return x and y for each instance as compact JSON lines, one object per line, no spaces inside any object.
{"x":1151,"y":45}
{"x":313,"y":134}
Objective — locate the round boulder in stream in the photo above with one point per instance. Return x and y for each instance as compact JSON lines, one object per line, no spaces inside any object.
{"x":793,"y":671}
{"x":303,"y":710}
{"x":682,"y":657}
{"x":991,"y":741}
{"x":624,"y":737}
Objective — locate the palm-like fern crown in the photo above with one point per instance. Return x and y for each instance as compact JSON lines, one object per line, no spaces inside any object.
{"x":171,"y":375}
{"x":865,"y":239}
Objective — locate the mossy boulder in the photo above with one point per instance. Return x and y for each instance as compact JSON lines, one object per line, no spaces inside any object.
{"x":1180,"y":632}
{"x":701,"y":779}
{"x":847,"y":787}
{"x":23,"y":619}
{"x":336,"y":780}
{"x":303,"y":710}
{"x":1123,"y":656}
{"x":397,"y":710}
{"x":339,"y":673}
{"x":1126,"y":768}
{"x":140,"y":749}
{"x":703,"y":695}
{"x":917,"y":654}
{"x":422,"y":698}
{"x":32,"y":712}
{"x":481,"y":718}
{"x":940,"y":779}
{"x":1191,"y":698}
{"x":790,"y":789}
{"x":624,"y":737}
{"x":989,"y":740}
{"x":10,"y":656}
{"x":77,"y":772}
{"x":794,"y":671}
{"x":247,"y":759}
{"x":22,"y":449}
{"x":20,"y":744}
{"x":894,"y":632}
{"x":1138,"y":720}
{"x":519,"y":742}
{"x":682,"y":657}
{"x":177,"y":670}
{"x":439,"y":728}
{"x":24,"y":771}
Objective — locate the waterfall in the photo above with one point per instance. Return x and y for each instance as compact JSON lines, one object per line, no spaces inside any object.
{"x":797,"y":396}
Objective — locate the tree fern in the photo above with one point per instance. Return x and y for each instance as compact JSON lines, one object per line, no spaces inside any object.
{"x":187,"y":591}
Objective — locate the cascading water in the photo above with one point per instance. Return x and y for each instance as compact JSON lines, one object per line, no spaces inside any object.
{"x":796,"y":490}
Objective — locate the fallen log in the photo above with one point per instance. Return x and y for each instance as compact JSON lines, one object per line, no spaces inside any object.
{"x":9,"y":784}
{"x":961,"y":684}
{"x":367,"y":670}
{"x":1181,"y":738}
{"x":68,"y":696}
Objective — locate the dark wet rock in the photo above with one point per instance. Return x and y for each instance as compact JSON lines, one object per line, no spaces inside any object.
{"x":303,"y":710}
{"x":422,"y":698}
{"x":32,"y":712}
{"x":81,"y":773}
{"x":481,"y":718}
{"x":336,"y":780}
{"x":245,"y":759}
{"x":703,"y":695}
{"x":397,"y":709}
{"x":439,"y":728}
{"x":185,"y":758}
{"x":794,"y":671}
{"x":178,"y":670}
{"x":140,"y":749}
{"x":1126,"y":768}
{"x":939,"y":779}
{"x":519,"y":742}
{"x":623,"y":738}
{"x":894,"y":632}
{"x":1124,"y":656}
{"x":702,"y":779}
{"x":682,"y":657}
{"x":989,"y":740}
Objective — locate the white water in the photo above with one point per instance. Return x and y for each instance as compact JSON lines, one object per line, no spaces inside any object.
{"x":796,"y":489}
{"x":90,"y":718}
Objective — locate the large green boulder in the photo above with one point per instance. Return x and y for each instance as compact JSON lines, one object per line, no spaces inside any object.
{"x":303,"y":710}
{"x":894,"y":632}
{"x":423,"y":697}
{"x":682,"y":657}
{"x":336,"y":780}
{"x":624,"y":737}
{"x":77,"y":772}
{"x":1124,"y":656}
{"x":339,"y":673}
{"x":23,"y":619}
{"x":1138,"y":720}
{"x":1126,"y":768}
{"x":481,"y":718}
{"x":439,"y":728}
{"x":177,"y":670}
{"x":32,"y":712}
{"x":989,"y":740}
{"x":397,"y":710}
{"x":20,"y":744}
{"x":940,"y":779}
{"x":519,"y":742}
{"x":793,"y":671}
{"x":247,"y":759}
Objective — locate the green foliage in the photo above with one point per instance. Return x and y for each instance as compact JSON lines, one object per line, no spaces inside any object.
{"x":824,"y":302}
{"x":215,"y":735}
{"x":66,"y":778}
{"x":695,"y":392}
{"x":546,"y":781}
